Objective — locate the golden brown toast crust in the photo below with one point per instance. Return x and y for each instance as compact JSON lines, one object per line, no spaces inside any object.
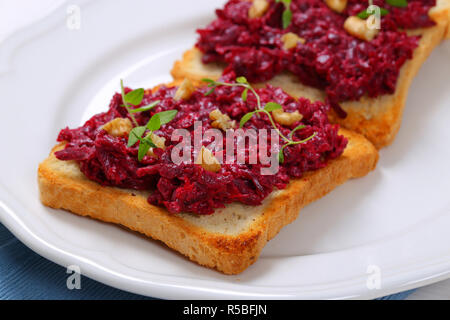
{"x":63,"y":186}
{"x":378,"y":119}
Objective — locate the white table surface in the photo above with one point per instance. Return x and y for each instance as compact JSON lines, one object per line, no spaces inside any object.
{"x":18,"y":14}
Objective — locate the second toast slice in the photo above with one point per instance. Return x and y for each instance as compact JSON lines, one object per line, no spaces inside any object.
{"x":378,"y":119}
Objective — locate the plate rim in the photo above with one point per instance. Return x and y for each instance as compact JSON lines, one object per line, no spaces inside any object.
{"x":10,"y":216}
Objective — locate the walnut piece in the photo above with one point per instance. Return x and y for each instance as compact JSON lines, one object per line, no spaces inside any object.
{"x":221,"y":121}
{"x":185,"y":90}
{"x":290,"y":40}
{"x":337,"y":5}
{"x":118,"y":127}
{"x":160,"y":142}
{"x":358,"y":28}
{"x":286,"y":118}
{"x":207,"y":160}
{"x":258,"y":9}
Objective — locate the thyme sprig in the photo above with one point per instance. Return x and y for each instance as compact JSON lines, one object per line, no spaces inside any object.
{"x":131,"y":98}
{"x":134,"y":98}
{"x":240,"y":82}
{"x":267,"y":109}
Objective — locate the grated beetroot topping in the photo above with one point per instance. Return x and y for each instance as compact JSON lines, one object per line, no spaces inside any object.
{"x":345,"y":67}
{"x":188,"y":187}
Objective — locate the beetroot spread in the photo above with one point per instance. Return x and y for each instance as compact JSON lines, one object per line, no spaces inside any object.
{"x":330,"y":59}
{"x":189,"y":187}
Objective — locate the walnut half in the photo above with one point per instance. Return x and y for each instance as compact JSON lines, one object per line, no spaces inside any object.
{"x":160,"y":142}
{"x":337,"y":5}
{"x":118,"y":127}
{"x":358,"y":28}
{"x":286,"y":118}
{"x":258,"y":9}
{"x":221,"y":121}
{"x":207,"y":160}
{"x":185,"y":90}
{"x":290,"y":40}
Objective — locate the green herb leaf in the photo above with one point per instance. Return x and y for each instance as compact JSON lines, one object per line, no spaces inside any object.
{"x":167,"y":116}
{"x":244,"y":95}
{"x":134,"y":97}
{"x":287,"y":3}
{"x":154,"y":123}
{"x":281,"y":156}
{"x":304,"y":140}
{"x":299,"y":127}
{"x":246,"y":118}
{"x":365,"y":14}
{"x":210,"y":91}
{"x":133,"y":118}
{"x":208,"y":80}
{"x":242,"y":80}
{"x":287,"y":14}
{"x":287,"y":18}
{"x":397,"y":3}
{"x":160,"y":119}
{"x":272,"y":106}
{"x":135,"y":135}
{"x":146,"y":108}
{"x":148,"y":140}
{"x":143,"y":149}
{"x":145,"y":146}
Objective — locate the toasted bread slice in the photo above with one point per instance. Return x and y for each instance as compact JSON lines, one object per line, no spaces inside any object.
{"x":378,"y":119}
{"x":231,"y":239}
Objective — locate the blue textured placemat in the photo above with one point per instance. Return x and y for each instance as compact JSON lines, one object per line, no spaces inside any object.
{"x":26,"y":275}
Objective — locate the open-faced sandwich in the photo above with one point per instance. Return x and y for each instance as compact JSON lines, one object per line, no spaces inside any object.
{"x":214,"y":171}
{"x":333,"y":50}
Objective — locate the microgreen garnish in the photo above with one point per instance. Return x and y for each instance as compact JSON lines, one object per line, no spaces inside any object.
{"x":365,"y":13}
{"x":166,"y":116}
{"x":240,"y":82}
{"x":126,"y":103}
{"x":397,"y":3}
{"x":287,"y":13}
{"x":135,"y":135}
{"x":154,"y":124}
{"x":268,"y":108}
{"x":244,"y":95}
{"x":146,"y":108}
{"x":134,"y":98}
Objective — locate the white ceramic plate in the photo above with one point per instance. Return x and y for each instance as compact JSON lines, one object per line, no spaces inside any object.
{"x":393,"y":224}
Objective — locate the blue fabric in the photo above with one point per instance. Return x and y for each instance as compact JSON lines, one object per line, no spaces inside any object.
{"x":26,"y":275}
